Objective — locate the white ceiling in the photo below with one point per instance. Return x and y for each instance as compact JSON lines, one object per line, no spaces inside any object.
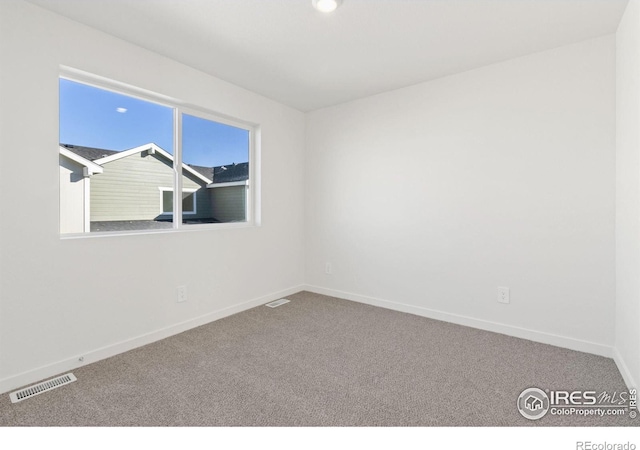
{"x":285,"y":50}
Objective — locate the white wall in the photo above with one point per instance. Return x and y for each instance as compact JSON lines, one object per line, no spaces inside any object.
{"x":423,"y":199}
{"x":628,"y":195}
{"x":61,"y":299}
{"x":434,"y":195}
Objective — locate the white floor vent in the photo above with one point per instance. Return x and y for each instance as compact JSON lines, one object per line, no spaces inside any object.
{"x":282,"y":301}
{"x":41,"y":388}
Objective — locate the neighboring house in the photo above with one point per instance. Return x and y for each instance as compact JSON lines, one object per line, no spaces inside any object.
{"x":229,"y":192}
{"x":137,"y":185}
{"x":75,"y":188}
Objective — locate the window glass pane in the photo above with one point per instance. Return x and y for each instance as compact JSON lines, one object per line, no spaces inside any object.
{"x":115,"y":154}
{"x":167,"y":201}
{"x":215,"y":160}
{"x":189,"y":202}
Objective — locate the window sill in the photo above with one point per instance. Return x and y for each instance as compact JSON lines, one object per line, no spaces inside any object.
{"x":183,"y":229}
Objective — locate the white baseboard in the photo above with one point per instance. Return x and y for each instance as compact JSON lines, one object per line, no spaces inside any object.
{"x":50,"y":370}
{"x":523,"y":333}
{"x":624,"y":370}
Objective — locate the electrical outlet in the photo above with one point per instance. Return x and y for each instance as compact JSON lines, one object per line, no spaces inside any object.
{"x":503,"y":295}
{"x":181,"y":294}
{"x":328,"y":269}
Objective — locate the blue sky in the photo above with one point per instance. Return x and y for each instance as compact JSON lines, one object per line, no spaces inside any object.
{"x":93,"y":117}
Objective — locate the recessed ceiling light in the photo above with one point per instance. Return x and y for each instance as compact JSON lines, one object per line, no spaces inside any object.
{"x":326,"y":6}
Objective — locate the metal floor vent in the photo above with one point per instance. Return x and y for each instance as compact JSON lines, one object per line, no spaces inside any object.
{"x":282,"y":301}
{"x":41,"y":388}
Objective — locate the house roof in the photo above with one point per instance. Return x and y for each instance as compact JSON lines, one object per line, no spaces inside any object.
{"x":225,"y":174}
{"x":89,"y":153}
{"x":231,"y":172}
{"x":89,"y":167}
{"x":204,"y":171}
{"x":219,"y":174}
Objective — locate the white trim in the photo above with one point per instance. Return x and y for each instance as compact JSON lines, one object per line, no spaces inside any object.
{"x":195,"y":201}
{"x":201,"y":113}
{"x":252,"y":193}
{"x":162,"y":190}
{"x":86,"y":211}
{"x":509,"y":330}
{"x":88,"y":168}
{"x":117,"y":87}
{"x":34,"y":375}
{"x":168,"y":189}
{"x":229,"y":184}
{"x":177,"y":175}
{"x":91,"y":166}
{"x":152,"y":148}
{"x":125,"y":153}
{"x":624,"y":370}
{"x":186,"y":229}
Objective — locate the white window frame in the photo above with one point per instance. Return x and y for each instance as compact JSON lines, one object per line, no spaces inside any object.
{"x":188,"y":190}
{"x":253,"y":199}
{"x":250,"y":207}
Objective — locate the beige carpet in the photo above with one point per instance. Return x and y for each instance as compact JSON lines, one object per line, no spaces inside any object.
{"x":321,"y":361}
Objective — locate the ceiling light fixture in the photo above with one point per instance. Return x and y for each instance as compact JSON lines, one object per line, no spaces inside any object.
{"x":326,"y":6}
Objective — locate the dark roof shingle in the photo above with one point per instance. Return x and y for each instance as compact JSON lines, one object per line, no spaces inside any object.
{"x":231,"y":172}
{"x":89,"y":153}
{"x":204,"y":171}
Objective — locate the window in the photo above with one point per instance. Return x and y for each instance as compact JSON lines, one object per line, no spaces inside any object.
{"x":221,"y":153}
{"x":126,"y":156}
{"x":188,"y":201}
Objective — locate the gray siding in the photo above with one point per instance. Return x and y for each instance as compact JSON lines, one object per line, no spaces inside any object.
{"x":229,"y":203}
{"x":129,"y":189}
